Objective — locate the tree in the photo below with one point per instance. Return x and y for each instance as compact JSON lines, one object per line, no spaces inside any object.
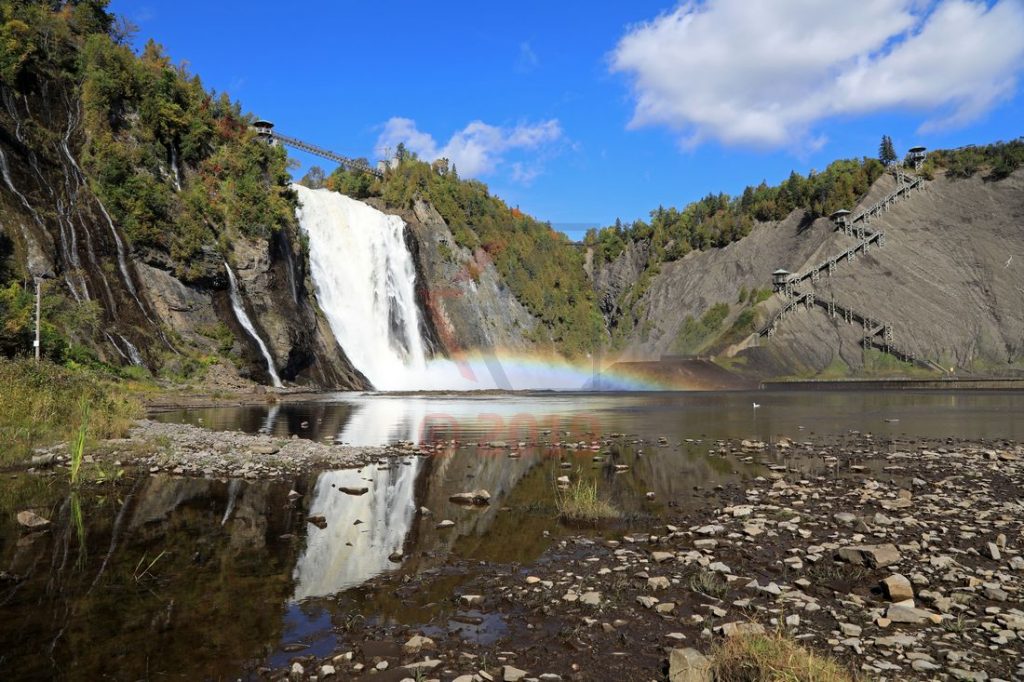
{"x":886,"y":152}
{"x":314,"y":178}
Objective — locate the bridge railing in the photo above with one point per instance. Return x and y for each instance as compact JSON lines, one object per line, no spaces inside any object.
{"x":345,"y":161}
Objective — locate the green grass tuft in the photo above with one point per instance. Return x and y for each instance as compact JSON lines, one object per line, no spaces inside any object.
{"x":773,"y":658}
{"x":42,"y":403}
{"x":581,"y":503}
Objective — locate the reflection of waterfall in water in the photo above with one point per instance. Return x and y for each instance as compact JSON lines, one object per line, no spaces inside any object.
{"x":234,"y":488}
{"x":243,"y":319}
{"x":383,"y":419}
{"x":345,"y":554}
{"x":271,"y":420}
{"x":379,"y":422}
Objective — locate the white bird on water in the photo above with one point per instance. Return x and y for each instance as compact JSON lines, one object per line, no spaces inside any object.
{"x":756,"y":405}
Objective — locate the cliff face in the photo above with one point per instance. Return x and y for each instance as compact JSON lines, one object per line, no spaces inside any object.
{"x":949,"y":280}
{"x":613,"y":280}
{"x":138,"y":310}
{"x":466,"y":307}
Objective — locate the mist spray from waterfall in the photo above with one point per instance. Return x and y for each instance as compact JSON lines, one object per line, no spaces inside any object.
{"x":243,"y":319}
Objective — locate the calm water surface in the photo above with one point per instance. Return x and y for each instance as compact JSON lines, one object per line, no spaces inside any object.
{"x":209,"y":579}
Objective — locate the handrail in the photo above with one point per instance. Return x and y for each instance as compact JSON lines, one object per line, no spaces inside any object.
{"x":352,"y":164}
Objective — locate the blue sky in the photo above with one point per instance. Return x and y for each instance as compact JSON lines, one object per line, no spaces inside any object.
{"x":584,"y":112}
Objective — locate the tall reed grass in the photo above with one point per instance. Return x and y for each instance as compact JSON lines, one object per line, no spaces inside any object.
{"x":42,"y":403}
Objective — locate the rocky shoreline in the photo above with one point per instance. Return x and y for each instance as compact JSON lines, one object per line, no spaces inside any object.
{"x":902,"y":561}
{"x":186,"y":450}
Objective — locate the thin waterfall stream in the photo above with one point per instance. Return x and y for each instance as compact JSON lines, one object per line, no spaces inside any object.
{"x":243,"y":319}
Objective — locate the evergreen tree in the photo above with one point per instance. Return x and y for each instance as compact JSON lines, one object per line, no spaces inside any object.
{"x":886,"y":151}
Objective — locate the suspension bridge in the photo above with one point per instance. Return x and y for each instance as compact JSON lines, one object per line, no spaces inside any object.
{"x":265,"y":129}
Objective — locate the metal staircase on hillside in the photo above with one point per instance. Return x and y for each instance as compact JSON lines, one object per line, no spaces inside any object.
{"x":876,"y":334}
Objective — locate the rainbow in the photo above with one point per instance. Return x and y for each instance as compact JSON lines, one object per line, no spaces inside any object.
{"x":512,"y":371}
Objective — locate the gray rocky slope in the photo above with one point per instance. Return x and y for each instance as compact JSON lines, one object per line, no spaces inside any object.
{"x":949,"y":279}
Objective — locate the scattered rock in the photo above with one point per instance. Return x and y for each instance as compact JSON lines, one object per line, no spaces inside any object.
{"x":29,"y":519}
{"x":511,"y":674}
{"x":875,"y":556}
{"x":740,"y":629}
{"x":845,"y":518}
{"x":417,"y":643}
{"x":477,"y":497}
{"x":688,"y":665}
{"x":903,"y":613}
{"x":897,"y":588}
{"x":44,"y":460}
{"x":471,"y":599}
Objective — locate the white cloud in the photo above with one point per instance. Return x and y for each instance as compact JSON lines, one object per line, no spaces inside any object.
{"x":763,"y":73}
{"x":477,"y":149}
{"x":523,"y":173}
{"x":528,"y":59}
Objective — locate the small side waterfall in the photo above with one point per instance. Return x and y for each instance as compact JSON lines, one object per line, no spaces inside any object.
{"x":365,"y":282}
{"x":243,"y":319}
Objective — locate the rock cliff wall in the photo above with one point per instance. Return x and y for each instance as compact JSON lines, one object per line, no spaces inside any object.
{"x":54,"y":227}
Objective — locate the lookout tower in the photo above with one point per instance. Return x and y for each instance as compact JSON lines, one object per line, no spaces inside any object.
{"x":916,"y":156}
{"x":779,"y":279}
{"x":264,"y":129}
{"x":841,"y":218}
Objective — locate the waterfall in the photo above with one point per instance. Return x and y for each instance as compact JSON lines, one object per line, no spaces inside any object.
{"x":365,"y":284}
{"x":243,"y":319}
{"x":176,"y":176}
{"x":133,"y":352}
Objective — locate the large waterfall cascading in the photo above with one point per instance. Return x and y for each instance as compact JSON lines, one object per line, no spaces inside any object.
{"x":365,"y":281}
{"x":365,"y":284}
{"x":243,"y":319}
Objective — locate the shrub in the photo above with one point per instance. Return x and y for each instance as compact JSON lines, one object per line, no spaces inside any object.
{"x":708,"y":583}
{"x":693,"y":334}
